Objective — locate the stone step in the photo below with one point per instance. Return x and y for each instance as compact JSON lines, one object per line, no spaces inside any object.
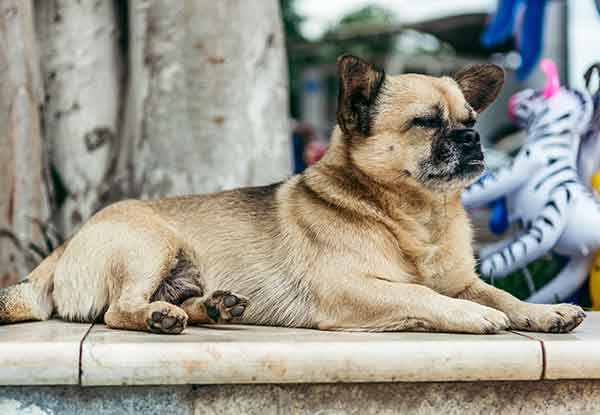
{"x":60,"y":353}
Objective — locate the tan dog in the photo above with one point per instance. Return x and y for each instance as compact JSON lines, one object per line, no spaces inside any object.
{"x":372,"y":237}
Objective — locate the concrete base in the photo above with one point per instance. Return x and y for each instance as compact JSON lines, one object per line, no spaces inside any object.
{"x":538,"y":397}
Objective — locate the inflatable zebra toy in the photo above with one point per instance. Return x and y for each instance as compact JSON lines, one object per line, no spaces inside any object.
{"x":589,"y":169}
{"x":543,"y":190}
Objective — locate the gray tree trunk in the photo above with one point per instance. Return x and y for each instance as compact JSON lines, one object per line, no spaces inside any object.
{"x":197,"y":104}
{"x":208,"y":110}
{"x":23,"y":196}
{"x":82,"y":66}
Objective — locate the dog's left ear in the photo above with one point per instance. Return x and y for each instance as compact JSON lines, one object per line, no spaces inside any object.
{"x":360,"y":83}
{"x":480,"y":84}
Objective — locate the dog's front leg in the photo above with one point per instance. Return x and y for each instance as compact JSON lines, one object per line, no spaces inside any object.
{"x":552,"y":318}
{"x":372,"y":304}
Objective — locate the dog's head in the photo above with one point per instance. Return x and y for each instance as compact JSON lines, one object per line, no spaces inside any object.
{"x":415,"y":127}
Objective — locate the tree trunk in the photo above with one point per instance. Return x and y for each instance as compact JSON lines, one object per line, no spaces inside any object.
{"x":82,"y":66}
{"x":203,"y":107}
{"x":212,"y":96}
{"x":23,"y":198}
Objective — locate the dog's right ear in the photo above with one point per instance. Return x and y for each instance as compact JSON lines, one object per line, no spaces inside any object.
{"x":359,"y":83}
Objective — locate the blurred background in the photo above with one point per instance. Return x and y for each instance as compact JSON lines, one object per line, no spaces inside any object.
{"x":434,"y":37}
{"x":102,"y":100}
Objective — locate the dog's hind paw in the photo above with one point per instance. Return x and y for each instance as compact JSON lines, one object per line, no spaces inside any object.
{"x":226,"y":307}
{"x":164,"y":318}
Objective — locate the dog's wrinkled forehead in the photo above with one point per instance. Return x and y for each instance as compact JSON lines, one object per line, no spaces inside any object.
{"x":369,"y":100}
{"x":411,"y":95}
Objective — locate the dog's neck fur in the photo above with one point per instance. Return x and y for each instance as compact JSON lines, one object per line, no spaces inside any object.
{"x":339,"y":182}
{"x":336,"y":171}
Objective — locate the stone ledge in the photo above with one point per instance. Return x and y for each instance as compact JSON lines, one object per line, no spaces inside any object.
{"x":41,"y":353}
{"x":575,"y":355}
{"x":247,"y":354}
{"x":49,"y":353}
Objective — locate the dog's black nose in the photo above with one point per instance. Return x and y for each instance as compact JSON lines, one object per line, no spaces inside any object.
{"x":466,"y":136}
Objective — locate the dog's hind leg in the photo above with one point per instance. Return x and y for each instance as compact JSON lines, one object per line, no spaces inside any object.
{"x":112,"y":268}
{"x":149,"y":262}
{"x":216,"y":307}
{"x":133,"y":309}
{"x":156,"y":317}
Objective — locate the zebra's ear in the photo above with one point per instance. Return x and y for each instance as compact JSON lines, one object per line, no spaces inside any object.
{"x":480,"y":84}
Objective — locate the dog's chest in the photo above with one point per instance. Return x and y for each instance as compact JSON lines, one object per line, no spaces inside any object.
{"x":447,"y":259}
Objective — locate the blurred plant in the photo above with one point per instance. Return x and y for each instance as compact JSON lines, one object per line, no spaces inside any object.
{"x":364,"y":21}
{"x":292,"y":21}
{"x":542,"y":271}
{"x":33,"y":253}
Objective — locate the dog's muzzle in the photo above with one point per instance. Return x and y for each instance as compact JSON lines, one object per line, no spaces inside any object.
{"x":469,"y":145}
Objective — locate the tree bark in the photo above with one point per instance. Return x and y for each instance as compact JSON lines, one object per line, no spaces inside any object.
{"x":212,"y":96}
{"x":194,"y":100}
{"x":82,"y":67}
{"x":23,"y":196}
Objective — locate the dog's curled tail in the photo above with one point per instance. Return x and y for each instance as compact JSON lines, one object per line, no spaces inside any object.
{"x":31,"y":299}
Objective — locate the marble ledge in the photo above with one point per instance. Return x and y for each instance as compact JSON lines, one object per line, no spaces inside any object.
{"x":48,"y":353}
{"x":41,"y":353}
{"x":250,"y":354}
{"x":575,"y":355}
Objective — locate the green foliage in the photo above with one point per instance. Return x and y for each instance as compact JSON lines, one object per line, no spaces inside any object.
{"x":292,"y":21}
{"x":542,"y":271}
{"x":368,"y":18}
{"x":366,"y":15}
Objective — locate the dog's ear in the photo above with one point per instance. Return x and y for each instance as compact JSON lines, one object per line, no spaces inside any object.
{"x":360,"y":83}
{"x":480,"y":84}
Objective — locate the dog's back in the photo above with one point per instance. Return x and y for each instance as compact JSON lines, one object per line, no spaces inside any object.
{"x":232,"y":240}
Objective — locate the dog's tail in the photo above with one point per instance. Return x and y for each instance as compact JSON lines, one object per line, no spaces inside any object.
{"x":31,"y":299}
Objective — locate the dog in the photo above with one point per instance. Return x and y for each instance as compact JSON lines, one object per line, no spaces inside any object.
{"x":373,"y":237}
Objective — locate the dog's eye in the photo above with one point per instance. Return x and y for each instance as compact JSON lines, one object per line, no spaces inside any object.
{"x":427,"y":122}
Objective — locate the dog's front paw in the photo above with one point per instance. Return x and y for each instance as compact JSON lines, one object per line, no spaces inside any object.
{"x":477,"y":319}
{"x":165,"y":318}
{"x":493,"y":321}
{"x":558,"y":318}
